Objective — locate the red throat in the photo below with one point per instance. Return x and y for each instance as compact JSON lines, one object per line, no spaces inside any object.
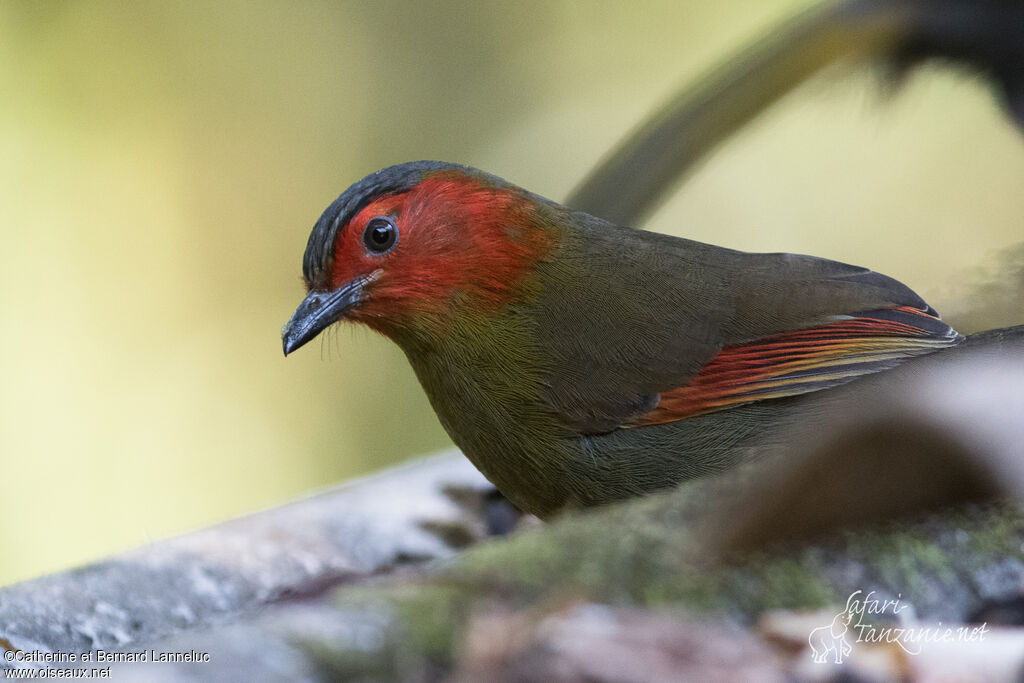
{"x":459,"y":240}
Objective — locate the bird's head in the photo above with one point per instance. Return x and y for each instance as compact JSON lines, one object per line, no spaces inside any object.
{"x":416,"y":245}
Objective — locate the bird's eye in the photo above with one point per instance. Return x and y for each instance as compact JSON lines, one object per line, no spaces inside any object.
{"x":380,"y":234}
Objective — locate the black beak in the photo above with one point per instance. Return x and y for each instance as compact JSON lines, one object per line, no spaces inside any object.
{"x":318,"y":311}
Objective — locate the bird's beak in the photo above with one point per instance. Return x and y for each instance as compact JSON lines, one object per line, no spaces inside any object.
{"x":319,"y":310}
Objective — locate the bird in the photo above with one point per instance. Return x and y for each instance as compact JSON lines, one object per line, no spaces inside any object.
{"x":576,"y":362}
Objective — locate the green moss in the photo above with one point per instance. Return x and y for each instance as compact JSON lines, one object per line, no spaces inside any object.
{"x":432,"y":617}
{"x":406,"y":630}
{"x":335,"y":663}
{"x":901,"y":557}
{"x":647,"y":562}
{"x":424,"y":617}
{"x":914,"y":558}
{"x":775,"y":582}
{"x":644,"y":554}
{"x":580,"y":555}
{"x":650,"y":560}
{"x":999,"y":534}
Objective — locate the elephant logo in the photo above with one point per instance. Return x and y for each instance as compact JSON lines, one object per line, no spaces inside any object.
{"x":831,"y":639}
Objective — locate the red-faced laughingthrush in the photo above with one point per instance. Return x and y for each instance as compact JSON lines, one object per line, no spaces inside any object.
{"x":576,"y":362}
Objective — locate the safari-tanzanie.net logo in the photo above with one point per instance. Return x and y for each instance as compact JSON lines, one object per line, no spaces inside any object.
{"x":870,"y":619}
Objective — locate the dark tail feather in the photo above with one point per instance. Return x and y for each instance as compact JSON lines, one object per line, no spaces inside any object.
{"x":987,"y":36}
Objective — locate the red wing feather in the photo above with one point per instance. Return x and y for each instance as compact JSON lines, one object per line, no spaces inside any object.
{"x":803,"y":361}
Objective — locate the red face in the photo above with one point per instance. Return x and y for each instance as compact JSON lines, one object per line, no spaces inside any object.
{"x":449,"y":238}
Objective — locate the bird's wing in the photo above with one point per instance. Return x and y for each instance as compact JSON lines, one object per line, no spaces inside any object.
{"x":641,"y":328}
{"x":802,"y":361}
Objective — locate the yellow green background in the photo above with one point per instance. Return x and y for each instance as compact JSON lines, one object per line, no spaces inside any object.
{"x":161,"y":165}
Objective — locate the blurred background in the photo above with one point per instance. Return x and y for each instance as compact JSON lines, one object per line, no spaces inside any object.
{"x":162,"y":165}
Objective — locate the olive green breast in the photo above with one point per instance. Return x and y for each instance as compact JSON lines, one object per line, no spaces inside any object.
{"x":485,"y":380}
